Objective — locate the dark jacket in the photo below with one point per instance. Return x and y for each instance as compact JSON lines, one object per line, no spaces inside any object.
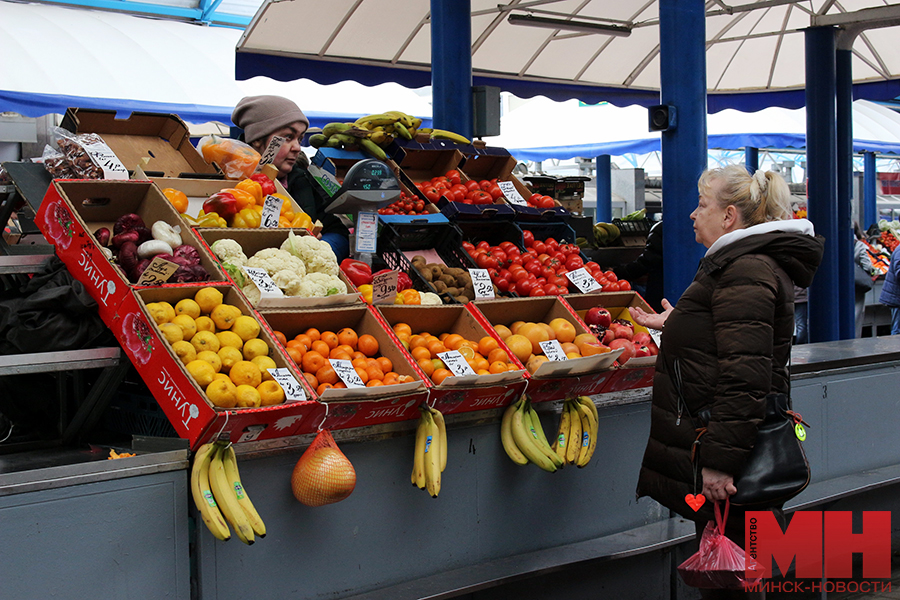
{"x":731,"y":333}
{"x":890,"y":292}
{"x":312,"y":199}
{"x":649,"y":263}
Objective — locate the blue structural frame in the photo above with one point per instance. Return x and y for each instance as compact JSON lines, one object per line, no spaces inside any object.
{"x":205,"y":13}
{"x":751,"y":159}
{"x":603,"y":213}
{"x":451,"y":66}
{"x":870,"y":190}
{"x":846,"y":239}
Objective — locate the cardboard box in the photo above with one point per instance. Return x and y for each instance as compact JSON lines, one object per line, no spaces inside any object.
{"x":254,"y":240}
{"x":552,"y":380}
{"x":161,"y":138}
{"x":72,"y":210}
{"x":457,"y":394}
{"x":185,"y":404}
{"x":360,"y":406}
{"x":198,"y":190}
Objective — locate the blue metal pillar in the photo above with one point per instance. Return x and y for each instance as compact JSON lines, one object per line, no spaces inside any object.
{"x":451,"y":65}
{"x":603,"y":213}
{"x":846,"y":238}
{"x":751,"y":159}
{"x":682,"y":55}
{"x":821,"y":160}
{"x":870,"y":190}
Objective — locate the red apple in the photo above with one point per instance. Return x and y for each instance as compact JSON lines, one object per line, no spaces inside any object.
{"x":598,"y":316}
{"x":627,"y":349}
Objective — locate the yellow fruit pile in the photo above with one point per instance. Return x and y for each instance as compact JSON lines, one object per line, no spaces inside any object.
{"x":523,"y":340}
{"x":220,"y":348}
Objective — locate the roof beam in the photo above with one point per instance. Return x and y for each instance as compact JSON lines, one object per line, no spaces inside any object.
{"x":866,"y":18}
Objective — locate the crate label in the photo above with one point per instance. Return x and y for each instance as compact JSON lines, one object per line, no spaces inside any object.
{"x":384,"y":288}
{"x":107,"y":160}
{"x":328,"y":181}
{"x":481,"y":283}
{"x":656,"y":334}
{"x":250,"y":435}
{"x":456,"y":363}
{"x":512,"y":194}
{"x":553,"y":350}
{"x":270,"y":212}
{"x":271,"y":151}
{"x":157,"y":272}
{"x":583,"y":280}
{"x":293,"y":391}
{"x":347,"y":373}
{"x":267,"y":287}
{"x":367,"y":232}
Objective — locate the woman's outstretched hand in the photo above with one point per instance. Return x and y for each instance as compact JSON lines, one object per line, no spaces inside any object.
{"x":651,"y":320}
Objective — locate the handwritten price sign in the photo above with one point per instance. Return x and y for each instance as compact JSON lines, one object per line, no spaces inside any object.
{"x":553,"y":350}
{"x":384,"y":288}
{"x":512,"y":194}
{"x":267,"y":287}
{"x":456,"y":363}
{"x":157,"y":272}
{"x":347,"y":373}
{"x":293,"y":391}
{"x":481,"y":283}
{"x":367,"y":232}
{"x":271,"y":211}
{"x":271,"y":151}
{"x":583,"y":280}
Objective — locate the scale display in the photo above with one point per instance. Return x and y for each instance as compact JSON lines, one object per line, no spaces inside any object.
{"x":368,"y":185}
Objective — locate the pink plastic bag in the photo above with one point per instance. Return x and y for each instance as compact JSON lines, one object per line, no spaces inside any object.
{"x":720,"y":563}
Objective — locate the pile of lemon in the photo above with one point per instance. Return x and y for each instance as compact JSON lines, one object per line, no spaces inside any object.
{"x":220,"y":348}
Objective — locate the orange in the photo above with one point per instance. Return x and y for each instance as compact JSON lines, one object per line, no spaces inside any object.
{"x":302,"y":347}
{"x":311,"y":380}
{"x":453,"y":341}
{"x":362,"y":374}
{"x":313,"y":333}
{"x":357,"y":354}
{"x":535,"y":334}
{"x":583,"y":338}
{"x":375,"y":373}
{"x":486,"y":344}
{"x":313,"y":361}
{"x":178,"y":199}
{"x":321,"y":389}
{"x":402,"y":328}
{"x":280,"y":337}
{"x":320,"y":347}
{"x":592,"y":349}
{"x":348,"y":336}
{"x":436,"y":347}
{"x":470,"y":344}
{"x":340,"y":385}
{"x":390,"y":379}
{"x":326,"y":374}
{"x":385,"y":364}
{"x":427,"y":366}
{"x":497,"y":367}
{"x":392,"y":374}
{"x":374,"y":383}
{"x":481,"y":363}
{"x":466,"y":352}
{"x":295,"y":354}
{"x":339,"y":354}
{"x":482,"y":372}
{"x":330,"y":338}
{"x":421,"y":353}
{"x":347,"y":348}
{"x":440,"y":375}
{"x":512,"y":367}
{"x":371,"y":362}
{"x":503,"y":331}
{"x":443,"y":336}
{"x":368,"y":345}
{"x":304,"y":339}
{"x":359,"y":363}
{"x":498,"y":354}
{"x":514,"y":327}
{"x":569,"y":347}
{"x":520,"y":346}
{"x":417,"y":341}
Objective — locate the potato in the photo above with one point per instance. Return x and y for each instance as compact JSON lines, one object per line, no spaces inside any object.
{"x":470,"y":293}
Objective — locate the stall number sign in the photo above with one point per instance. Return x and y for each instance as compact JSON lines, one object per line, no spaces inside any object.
{"x":512,"y":194}
{"x":384,"y":288}
{"x":366,"y":232}
{"x":328,"y":182}
{"x":481,"y":283}
{"x":267,"y":287}
{"x":158,"y":271}
{"x":270,"y":212}
{"x":268,"y":156}
{"x":293,"y":391}
{"x":553,"y":350}
{"x":107,"y":160}
{"x":347,"y":373}
{"x":456,"y":363}
{"x":583,"y":280}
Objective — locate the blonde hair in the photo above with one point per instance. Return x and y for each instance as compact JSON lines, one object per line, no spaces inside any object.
{"x":761,"y":197}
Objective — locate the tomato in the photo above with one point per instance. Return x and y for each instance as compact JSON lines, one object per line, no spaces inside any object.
{"x":479,"y":197}
{"x":546,"y":202}
{"x":533,"y":199}
{"x":552,"y":244}
{"x":574,"y":262}
{"x":499,"y":254}
{"x":506,"y":245}
{"x":485,"y":185}
{"x":468,"y":246}
{"x":472,"y":185}
{"x":495,"y":191}
{"x":591,"y":265}
{"x":539,"y":247}
{"x":524,"y":286}
{"x":528,"y":237}
{"x":624,"y":285}
{"x":502,"y":284}
{"x":551,"y":289}
{"x":432,"y":194}
{"x":533,"y":267}
{"x":483,"y":244}
{"x":611,"y":287}
{"x":611,"y":276}
{"x":536,"y":291}
{"x":458,"y":187}
{"x":453,"y":174}
{"x":441,"y":185}
{"x":548,"y":272}
{"x":520,"y":276}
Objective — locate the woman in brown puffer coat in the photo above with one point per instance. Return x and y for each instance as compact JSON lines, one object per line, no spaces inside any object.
{"x":731,"y":337}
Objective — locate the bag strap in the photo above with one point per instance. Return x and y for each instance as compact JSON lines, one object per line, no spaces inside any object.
{"x":720,"y":518}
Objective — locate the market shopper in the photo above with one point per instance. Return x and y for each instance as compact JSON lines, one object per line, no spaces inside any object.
{"x":649,"y":264}
{"x":729,"y":339}
{"x":262,"y":118}
{"x":890,"y":291}
{"x":863,"y":280}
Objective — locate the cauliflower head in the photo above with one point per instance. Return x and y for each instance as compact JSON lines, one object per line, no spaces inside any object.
{"x":288,"y":281}
{"x":229,"y":251}
{"x":315,"y":254}
{"x":319,"y":285}
{"x":274,"y":260}
{"x":251,"y":292}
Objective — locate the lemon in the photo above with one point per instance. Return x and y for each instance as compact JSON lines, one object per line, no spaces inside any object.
{"x":205,"y":324}
{"x":202,"y":372}
{"x":264,"y":363}
{"x":212,"y":358}
{"x":208,"y":299}
{"x":230,"y":338}
{"x":246,"y":327}
{"x":222,"y":393}
{"x":245,"y":372}
{"x":187,"y":307}
{"x":158,"y":313}
{"x":255,"y":347}
{"x":184,"y":351}
{"x":270,"y":393}
{"x":204,"y":340}
{"x":188,"y":327}
{"x":224,"y":315}
{"x":171,"y":332}
{"x":248,"y":396}
{"x":229,"y":356}
{"x":223,"y":376}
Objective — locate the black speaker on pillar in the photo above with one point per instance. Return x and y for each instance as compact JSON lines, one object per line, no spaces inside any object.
{"x":661,"y":117}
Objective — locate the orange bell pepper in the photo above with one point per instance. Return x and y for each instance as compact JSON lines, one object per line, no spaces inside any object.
{"x":301,"y":220}
{"x":178,"y":199}
{"x":246,"y":218}
{"x":244,"y":199}
{"x":253,"y":188}
{"x":410,"y":296}
{"x":284,"y":222}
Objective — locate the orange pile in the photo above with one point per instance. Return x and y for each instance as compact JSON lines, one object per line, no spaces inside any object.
{"x":523,"y":339}
{"x":312,"y":349}
{"x":484,"y":356}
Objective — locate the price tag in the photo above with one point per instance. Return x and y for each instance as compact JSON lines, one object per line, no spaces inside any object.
{"x":583,"y":280}
{"x":481,"y":282}
{"x":107,"y":160}
{"x":271,"y":211}
{"x":158,"y":271}
{"x":328,"y":181}
{"x":366,"y":232}
{"x":293,"y":391}
{"x":267,"y":287}
{"x":347,"y":373}
{"x":512,"y":194}
{"x":456,"y":363}
{"x":384,"y":288}
{"x":271,"y":151}
{"x":553,"y":350}
{"x":656,"y":334}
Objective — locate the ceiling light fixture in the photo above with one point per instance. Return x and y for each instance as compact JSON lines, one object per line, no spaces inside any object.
{"x":580,"y":26}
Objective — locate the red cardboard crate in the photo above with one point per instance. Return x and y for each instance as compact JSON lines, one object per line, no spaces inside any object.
{"x":552,"y":380}
{"x":457,"y":394}
{"x":358,"y":407}
{"x":72,"y":210}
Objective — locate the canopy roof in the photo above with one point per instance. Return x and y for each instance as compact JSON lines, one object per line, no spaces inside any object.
{"x":755,"y":52}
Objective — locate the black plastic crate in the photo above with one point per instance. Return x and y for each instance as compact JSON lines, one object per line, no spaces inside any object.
{"x":134,"y":411}
{"x":561,"y":232}
{"x":493,"y":232}
{"x":641,"y":227}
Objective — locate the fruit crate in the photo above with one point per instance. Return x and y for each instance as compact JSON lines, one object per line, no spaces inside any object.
{"x":639,"y":227}
{"x":561,"y":232}
{"x":493,"y":232}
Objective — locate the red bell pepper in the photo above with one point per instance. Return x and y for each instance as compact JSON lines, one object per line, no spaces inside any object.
{"x":403,"y":280}
{"x":268,"y":186}
{"x":222,"y":203}
{"x":358,"y":272}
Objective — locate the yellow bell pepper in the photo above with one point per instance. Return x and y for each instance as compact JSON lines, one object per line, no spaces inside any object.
{"x":246,"y":218}
{"x":302,"y":220}
{"x":284,"y":222}
{"x":366,"y":291}
{"x":242,"y":198}
{"x":206,"y":220}
{"x":253,"y":188}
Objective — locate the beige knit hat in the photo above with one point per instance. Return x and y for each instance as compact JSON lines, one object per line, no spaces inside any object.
{"x":261,"y":116}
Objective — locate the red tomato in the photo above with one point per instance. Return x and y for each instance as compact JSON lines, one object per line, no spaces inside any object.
{"x":552,"y":244}
{"x":520,"y":276}
{"x":458,"y":187}
{"x":495,"y":191}
{"x":472,"y":185}
{"x":528,"y":237}
{"x":611,"y":276}
{"x":506,"y":245}
{"x":574,"y":262}
{"x":533,"y":199}
{"x":502,"y":284}
{"x":468,"y":246}
{"x":479,"y":197}
{"x":611,"y":287}
{"x":432,"y":194}
{"x":524,"y":286}
{"x":550,"y":289}
{"x":537,"y":291}
{"x":546,"y":202}
{"x":485,"y":185}
{"x":539,"y":247}
{"x":624,"y":286}
{"x":452,"y":174}
{"x":483,"y":244}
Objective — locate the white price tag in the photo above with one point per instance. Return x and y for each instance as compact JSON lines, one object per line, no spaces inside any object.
{"x":553,"y":350}
{"x":456,"y":363}
{"x":583,"y":280}
{"x":107,"y":160}
{"x":158,"y":271}
{"x":481,"y":282}
{"x":271,"y":211}
{"x":348,"y":374}
{"x":512,"y":194}
{"x":384,"y":288}
{"x":271,"y":151}
{"x":656,"y":334}
{"x":328,"y":181}
{"x":366,"y":232}
{"x":267,"y":287}
{"x":293,"y":391}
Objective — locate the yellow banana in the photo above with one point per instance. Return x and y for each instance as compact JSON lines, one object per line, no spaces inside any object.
{"x":432,"y":456}
{"x":402,"y":117}
{"x":402,"y":130}
{"x":591,"y":406}
{"x":369,"y":121}
{"x":203,"y":497}
{"x":346,"y":139}
{"x":573,"y":452}
{"x":438,"y":417}
{"x":372,"y":148}
{"x":416,"y":122}
{"x":527,"y":442}
{"x":378,"y":137}
{"x":559,"y":446}
{"x":506,"y":436}
{"x":537,"y":430}
{"x":228,"y":502}
{"x":418,"y":472}
{"x":229,"y":460}
{"x":449,"y":135}
{"x":331,"y":128}
{"x":588,"y":435}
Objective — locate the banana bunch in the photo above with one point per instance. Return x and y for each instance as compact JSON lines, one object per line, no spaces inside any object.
{"x":638,"y":215}
{"x":431,"y":451}
{"x":523,"y":437}
{"x":576,"y":437}
{"x":605,"y":233}
{"x":371,"y":133}
{"x":220,"y":497}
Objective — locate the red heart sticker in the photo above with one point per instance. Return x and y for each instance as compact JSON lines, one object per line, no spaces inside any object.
{"x":695,"y":502}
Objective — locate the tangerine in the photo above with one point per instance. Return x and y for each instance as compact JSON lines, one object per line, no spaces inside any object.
{"x":427,"y":366}
{"x":390,"y":379}
{"x":282,"y":339}
{"x":487,"y":344}
{"x":359,"y":363}
{"x":436,"y":347}
{"x":362,"y":374}
{"x":440,"y":375}
{"x":330,"y":338}
{"x":327,"y":374}
{"x":375,"y":373}
{"x":312,"y":361}
{"x":374,"y":383}
{"x":385,"y":364}
{"x":368,"y":345}
{"x":311,"y":380}
{"x":339,"y":353}
{"x":295,"y":354}
{"x":498,"y":354}
{"x":313,"y":333}
{"x":421,"y":353}
{"x":304,"y":339}
{"x":322,"y":387}
{"x":320,"y":347}
{"x":453,"y":341}
{"x":497,"y":367}
{"x":348,"y":336}
{"x":402,"y":328}
{"x":417,"y":341}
